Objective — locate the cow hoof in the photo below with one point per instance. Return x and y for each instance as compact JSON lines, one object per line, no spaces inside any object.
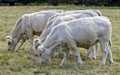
{"x":36,"y":55}
{"x":94,"y":58}
{"x":111,"y":62}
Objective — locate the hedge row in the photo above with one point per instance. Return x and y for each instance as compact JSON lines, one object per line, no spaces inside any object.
{"x":82,"y":2}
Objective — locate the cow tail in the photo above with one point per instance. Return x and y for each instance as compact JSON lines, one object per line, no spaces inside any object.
{"x":110,"y":43}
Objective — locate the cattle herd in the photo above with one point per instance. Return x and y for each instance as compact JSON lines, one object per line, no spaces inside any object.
{"x":64,"y":31}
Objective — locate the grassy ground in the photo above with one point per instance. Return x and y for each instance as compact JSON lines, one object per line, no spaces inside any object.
{"x":24,"y":63}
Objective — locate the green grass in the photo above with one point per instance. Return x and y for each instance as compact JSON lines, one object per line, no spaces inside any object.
{"x":24,"y":63}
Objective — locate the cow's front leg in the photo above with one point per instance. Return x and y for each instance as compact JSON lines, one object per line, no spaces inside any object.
{"x":76,"y":53}
{"x":64,"y":58}
{"x":21,"y":43}
{"x":31,"y":43}
{"x":30,"y":36}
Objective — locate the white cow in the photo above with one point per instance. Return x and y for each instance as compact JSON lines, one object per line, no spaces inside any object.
{"x":84,"y":32}
{"x":27,"y":26}
{"x":67,"y":16}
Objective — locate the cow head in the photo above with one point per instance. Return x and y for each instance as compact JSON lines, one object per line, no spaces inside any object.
{"x":11,"y":43}
{"x":44,"y":54}
{"x":39,"y":50}
{"x":37,"y":43}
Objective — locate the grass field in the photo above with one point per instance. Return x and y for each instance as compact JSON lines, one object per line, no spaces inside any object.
{"x":24,"y":63}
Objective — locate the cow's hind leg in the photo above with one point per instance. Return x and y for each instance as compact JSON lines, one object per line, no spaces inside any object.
{"x":104,"y":48}
{"x":92,"y":52}
{"x":110,"y":53}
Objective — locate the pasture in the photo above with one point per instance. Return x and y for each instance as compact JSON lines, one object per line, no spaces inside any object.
{"x":25,"y":63}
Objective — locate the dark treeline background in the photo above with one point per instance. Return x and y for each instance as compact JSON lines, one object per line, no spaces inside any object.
{"x":82,"y":2}
{"x":58,"y":2}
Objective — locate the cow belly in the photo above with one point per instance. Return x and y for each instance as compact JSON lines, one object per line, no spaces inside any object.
{"x":86,"y":43}
{"x":86,"y":40}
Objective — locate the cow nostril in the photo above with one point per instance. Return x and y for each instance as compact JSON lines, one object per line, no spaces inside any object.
{"x":35,"y":54}
{"x":8,"y":49}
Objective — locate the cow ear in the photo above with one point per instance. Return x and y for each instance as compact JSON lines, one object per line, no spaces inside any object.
{"x":41,"y":49}
{"x":9,"y":39}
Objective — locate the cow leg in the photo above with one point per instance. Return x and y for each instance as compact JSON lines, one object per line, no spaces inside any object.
{"x":96,"y":50}
{"x":36,"y":44}
{"x":30,"y":36}
{"x":92,"y":52}
{"x":76,"y":53}
{"x":21,"y":43}
{"x":110,"y":54}
{"x":31,"y":43}
{"x":64,"y":58}
{"x":104,"y":48}
{"x":89,"y":53}
{"x":56,"y":54}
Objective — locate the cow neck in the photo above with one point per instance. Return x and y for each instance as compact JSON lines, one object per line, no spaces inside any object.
{"x":49,"y":49}
{"x":16,"y":32}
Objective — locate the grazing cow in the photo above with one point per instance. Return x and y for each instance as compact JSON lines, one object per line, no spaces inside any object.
{"x":67,"y":16}
{"x":84,"y":32}
{"x":27,"y":26}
